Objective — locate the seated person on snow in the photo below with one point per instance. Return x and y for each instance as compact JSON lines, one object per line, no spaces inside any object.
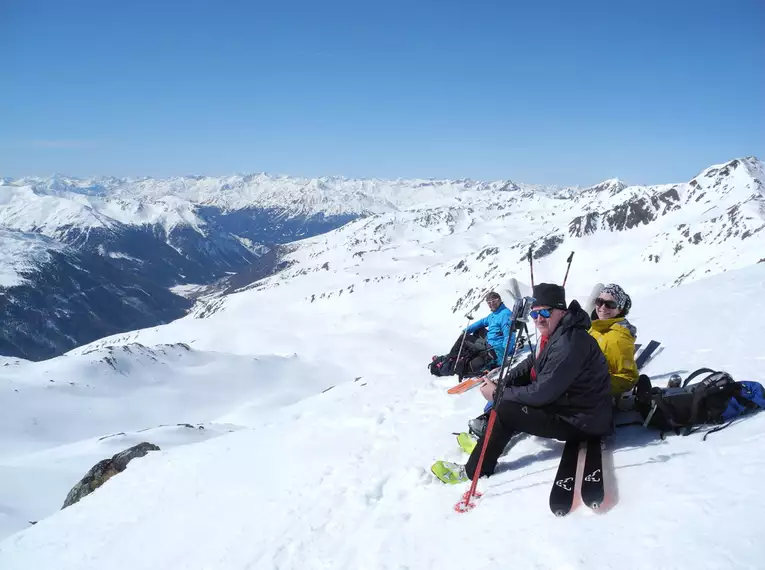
{"x":497,"y":325}
{"x":616,"y":336}
{"x":563,"y":393}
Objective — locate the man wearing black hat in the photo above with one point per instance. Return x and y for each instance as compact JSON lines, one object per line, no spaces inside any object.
{"x":562,"y":392}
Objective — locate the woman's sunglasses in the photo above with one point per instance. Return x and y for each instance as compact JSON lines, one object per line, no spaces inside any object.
{"x":608,"y":303}
{"x":544,"y":312}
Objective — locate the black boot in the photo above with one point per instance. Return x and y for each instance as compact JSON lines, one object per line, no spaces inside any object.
{"x":477,"y":426}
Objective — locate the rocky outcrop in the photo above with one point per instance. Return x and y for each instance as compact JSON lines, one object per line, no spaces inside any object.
{"x":635,"y":212}
{"x":104,"y":470}
{"x":542,"y":247}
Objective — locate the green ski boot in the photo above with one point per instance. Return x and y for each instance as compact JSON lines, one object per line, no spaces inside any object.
{"x":449,"y":473}
{"x":467,"y":442}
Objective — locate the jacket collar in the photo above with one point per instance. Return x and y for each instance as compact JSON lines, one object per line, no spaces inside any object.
{"x":617,"y":323}
{"x":602,"y":325}
{"x":575,"y":318}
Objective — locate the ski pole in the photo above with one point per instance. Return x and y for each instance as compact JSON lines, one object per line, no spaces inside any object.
{"x":464,"y":334}
{"x":465,"y":503}
{"x":569,"y":260}
{"x":520,"y":312}
{"x":531,"y":266}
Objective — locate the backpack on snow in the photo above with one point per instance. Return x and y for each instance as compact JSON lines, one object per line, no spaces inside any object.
{"x":716,"y":399}
{"x":475,"y":355}
{"x":467,"y":365}
{"x":443,"y":365}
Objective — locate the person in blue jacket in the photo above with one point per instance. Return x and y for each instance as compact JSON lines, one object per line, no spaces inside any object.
{"x":497,"y":325}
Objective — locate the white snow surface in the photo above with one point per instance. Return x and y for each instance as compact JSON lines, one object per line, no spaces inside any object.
{"x":61,"y":416}
{"x":321,"y":419}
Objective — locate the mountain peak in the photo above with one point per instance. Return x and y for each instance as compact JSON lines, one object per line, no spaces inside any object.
{"x":611,"y":186}
{"x":747,"y":174}
{"x":748,"y":164}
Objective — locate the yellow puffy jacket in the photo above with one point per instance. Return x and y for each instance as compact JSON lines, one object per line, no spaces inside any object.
{"x":616,"y":338}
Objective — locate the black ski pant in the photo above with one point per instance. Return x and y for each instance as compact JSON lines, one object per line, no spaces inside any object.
{"x":513,"y":417}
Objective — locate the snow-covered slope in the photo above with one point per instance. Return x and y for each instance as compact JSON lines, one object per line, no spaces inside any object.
{"x":339,"y":479}
{"x":61,"y":416}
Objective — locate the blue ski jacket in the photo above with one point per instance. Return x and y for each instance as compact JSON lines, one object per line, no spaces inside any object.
{"x":497,"y":325}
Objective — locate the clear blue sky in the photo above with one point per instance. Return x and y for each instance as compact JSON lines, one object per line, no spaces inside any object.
{"x":568,"y":92}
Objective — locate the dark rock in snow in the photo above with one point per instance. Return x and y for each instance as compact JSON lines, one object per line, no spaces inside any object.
{"x":548,"y":245}
{"x":104,"y":470}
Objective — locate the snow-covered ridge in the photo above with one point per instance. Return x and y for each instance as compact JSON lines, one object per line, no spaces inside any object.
{"x":297,"y":196}
{"x":172,"y":200}
{"x":710,"y":224}
{"x":30,"y":208}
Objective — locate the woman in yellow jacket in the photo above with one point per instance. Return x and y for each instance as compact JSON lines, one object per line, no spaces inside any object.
{"x":616,"y":336}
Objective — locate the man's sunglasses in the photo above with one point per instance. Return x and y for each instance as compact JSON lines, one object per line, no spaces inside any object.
{"x":610,"y":304}
{"x":543,"y":312}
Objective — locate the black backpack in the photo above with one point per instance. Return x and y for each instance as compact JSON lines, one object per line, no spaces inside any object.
{"x":467,"y":365}
{"x":443,"y":365}
{"x":475,"y":356}
{"x":681,"y":409}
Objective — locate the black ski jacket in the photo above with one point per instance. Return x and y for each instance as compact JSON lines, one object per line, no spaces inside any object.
{"x":572,"y":378}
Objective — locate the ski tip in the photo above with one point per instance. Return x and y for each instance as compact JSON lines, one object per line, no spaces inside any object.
{"x":560,"y":512}
{"x":515,"y":289}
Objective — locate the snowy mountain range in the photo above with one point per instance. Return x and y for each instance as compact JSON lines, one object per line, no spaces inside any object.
{"x":293,"y":408}
{"x":86,"y":258}
{"x":83,"y":259}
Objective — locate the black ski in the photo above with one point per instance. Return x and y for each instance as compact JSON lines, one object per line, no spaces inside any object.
{"x":646,"y":354}
{"x":562,"y":492}
{"x":592,"y":478}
